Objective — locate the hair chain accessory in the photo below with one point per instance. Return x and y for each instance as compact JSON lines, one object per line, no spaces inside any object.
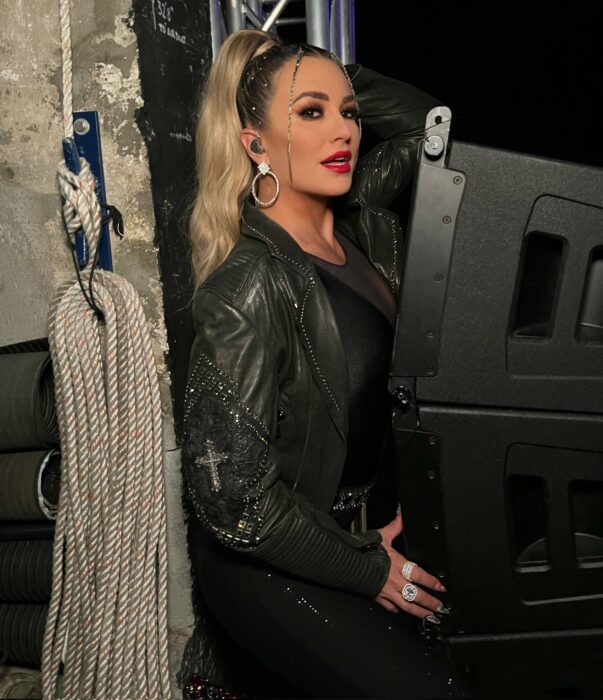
{"x":337,"y":60}
{"x":300,"y":54}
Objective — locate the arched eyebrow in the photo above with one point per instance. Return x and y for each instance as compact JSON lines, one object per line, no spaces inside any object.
{"x":323,"y":96}
{"x":311,"y":93}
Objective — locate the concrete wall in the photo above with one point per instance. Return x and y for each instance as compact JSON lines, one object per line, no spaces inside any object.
{"x":34,"y":258}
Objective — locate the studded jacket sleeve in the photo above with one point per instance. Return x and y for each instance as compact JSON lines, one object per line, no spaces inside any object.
{"x":395,"y":112}
{"x":233,"y":484}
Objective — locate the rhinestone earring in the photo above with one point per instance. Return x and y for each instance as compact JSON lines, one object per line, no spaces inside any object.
{"x":263,"y":170}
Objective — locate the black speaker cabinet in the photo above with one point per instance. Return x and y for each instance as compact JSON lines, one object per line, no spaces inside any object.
{"x":497,"y":376}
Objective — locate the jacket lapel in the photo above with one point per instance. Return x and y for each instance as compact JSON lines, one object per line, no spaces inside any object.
{"x":312,"y":310}
{"x":377,"y":232}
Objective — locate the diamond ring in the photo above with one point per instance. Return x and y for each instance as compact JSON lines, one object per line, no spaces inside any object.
{"x":409,"y":592}
{"x":407,"y":570}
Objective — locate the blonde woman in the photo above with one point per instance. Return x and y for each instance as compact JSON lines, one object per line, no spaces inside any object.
{"x":287,"y":414}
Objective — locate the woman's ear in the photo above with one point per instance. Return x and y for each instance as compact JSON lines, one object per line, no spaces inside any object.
{"x":252,"y":143}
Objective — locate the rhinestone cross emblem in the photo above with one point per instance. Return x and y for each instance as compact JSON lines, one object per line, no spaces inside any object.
{"x":211,"y":460}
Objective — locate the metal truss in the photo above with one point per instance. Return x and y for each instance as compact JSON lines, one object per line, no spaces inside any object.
{"x":328,"y":23}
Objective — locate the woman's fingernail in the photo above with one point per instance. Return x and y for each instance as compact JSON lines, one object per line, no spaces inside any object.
{"x":443,"y":610}
{"x":433,"y":618}
{"x":440,"y":587}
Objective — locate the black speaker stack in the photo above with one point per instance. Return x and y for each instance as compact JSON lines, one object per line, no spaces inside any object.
{"x":497,"y":377}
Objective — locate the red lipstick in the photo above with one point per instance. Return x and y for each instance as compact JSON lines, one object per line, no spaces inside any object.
{"x":338,"y":162}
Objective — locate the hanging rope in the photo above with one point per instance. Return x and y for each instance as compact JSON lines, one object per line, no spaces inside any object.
{"x":107,"y":619}
{"x":65,"y":21}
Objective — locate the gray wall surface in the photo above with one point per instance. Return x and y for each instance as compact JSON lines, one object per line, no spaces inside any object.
{"x":34,"y":258}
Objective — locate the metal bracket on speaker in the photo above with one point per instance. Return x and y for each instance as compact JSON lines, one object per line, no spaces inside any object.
{"x":437,"y":133}
{"x":435,"y":203}
{"x":420,"y":496}
{"x":405,"y":418}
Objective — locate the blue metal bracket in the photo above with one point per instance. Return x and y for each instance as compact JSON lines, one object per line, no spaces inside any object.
{"x":87,"y":143}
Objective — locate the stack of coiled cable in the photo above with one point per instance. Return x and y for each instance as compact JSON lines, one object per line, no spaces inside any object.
{"x":30,"y":480}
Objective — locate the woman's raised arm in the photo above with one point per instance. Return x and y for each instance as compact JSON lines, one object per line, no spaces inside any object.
{"x":395,"y":112}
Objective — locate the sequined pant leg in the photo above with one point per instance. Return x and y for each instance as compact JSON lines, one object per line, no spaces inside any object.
{"x":326,"y":643}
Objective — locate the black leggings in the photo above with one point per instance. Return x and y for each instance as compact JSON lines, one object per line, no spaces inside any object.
{"x":324,"y":643}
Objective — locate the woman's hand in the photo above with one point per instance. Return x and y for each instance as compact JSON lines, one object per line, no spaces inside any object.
{"x":390,"y":596}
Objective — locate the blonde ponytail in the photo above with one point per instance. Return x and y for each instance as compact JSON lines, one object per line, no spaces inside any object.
{"x":224,"y":170}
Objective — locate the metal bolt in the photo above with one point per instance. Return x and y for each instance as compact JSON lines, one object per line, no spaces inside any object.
{"x":446,"y":219}
{"x":438,"y":277}
{"x":81,"y":126}
{"x":402,"y":398}
{"x":430,"y":333}
{"x":432,"y":439}
{"x":431,"y":474}
{"x":430,"y":371}
{"x":436,"y":524}
{"x":434,"y":145}
{"x":457,"y":179}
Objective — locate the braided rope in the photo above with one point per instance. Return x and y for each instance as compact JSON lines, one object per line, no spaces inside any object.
{"x":64,"y":17}
{"x":107,"y":618}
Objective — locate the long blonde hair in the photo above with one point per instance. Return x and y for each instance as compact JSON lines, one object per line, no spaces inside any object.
{"x":237,"y":93}
{"x":223,"y":168}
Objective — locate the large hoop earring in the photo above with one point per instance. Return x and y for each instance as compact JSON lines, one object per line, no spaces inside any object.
{"x":264,"y":169}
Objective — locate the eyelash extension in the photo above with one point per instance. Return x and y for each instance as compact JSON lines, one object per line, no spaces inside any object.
{"x":357,"y":113}
{"x":318,"y":108}
{"x":311,"y":108}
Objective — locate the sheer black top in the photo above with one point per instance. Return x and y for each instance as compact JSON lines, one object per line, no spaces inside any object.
{"x":365,"y":310}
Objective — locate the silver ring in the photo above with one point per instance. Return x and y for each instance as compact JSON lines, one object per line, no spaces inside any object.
{"x":407,"y":570}
{"x":409,"y":592}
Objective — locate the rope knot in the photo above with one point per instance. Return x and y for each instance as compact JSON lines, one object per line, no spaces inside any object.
{"x":81,"y":209}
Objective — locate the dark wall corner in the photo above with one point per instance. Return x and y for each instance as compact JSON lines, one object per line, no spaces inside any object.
{"x":174,"y":42}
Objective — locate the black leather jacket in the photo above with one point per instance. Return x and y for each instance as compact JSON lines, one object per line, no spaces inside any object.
{"x":265,"y":415}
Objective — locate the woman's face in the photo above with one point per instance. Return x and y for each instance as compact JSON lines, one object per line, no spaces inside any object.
{"x":325,"y":134}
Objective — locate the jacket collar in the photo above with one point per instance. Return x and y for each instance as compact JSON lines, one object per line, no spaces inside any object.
{"x":281,"y":244}
{"x":312,"y":310}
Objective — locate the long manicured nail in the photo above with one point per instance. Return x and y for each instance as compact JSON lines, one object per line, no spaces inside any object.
{"x":440,"y":587}
{"x":433,"y":618}
{"x":443,"y":610}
